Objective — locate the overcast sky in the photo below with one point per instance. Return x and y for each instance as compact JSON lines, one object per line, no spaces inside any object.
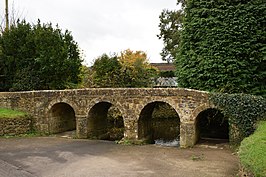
{"x":101,"y":26}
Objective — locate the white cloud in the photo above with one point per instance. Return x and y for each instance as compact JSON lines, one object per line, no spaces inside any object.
{"x":102,"y":26}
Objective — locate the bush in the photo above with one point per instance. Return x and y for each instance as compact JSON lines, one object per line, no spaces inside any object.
{"x":243,"y":111}
{"x":252,"y":151}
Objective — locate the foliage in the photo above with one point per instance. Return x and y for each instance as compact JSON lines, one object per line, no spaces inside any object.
{"x":106,"y":71}
{"x":167,"y":74}
{"x":252,"y":151}
{"x":130,"y":69}
{"x":10,"y":113}
{"x":86,"y":77}
{"x":222,"y":46}
{"x":243,"y":111}
{"x":35,"y":57}
{"x":135,"y":70}
{"x":170,"y":29}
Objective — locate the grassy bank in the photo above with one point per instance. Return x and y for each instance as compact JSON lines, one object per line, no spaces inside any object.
{"x":252,"y":151}
{"x":9,"y":113}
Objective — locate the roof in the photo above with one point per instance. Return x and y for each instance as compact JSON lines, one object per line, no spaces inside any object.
{"x":164,"y":66}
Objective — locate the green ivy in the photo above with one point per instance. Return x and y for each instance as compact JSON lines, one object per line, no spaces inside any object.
{"x":222,"y":46}
{"x":243,"y":110}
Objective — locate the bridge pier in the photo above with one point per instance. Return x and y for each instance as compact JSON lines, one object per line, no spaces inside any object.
{"x":81,"y":127}
{"x":131,"y":129}
{"x":187,"y":134}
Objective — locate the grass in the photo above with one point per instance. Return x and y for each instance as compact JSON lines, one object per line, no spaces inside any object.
{"x":252,"y":151}
{"x":9,"y":113}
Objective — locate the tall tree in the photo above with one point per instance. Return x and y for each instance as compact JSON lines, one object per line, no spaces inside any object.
{"x":35,"y":57}
{"x":170,"y":30}
{"x":222,"y":46}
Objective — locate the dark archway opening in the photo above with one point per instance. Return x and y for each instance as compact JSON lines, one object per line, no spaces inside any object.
{"x":212,"y":126}
{"x":62,"y":118}
{"x":158,"y":122}
{"x":105,"y":122}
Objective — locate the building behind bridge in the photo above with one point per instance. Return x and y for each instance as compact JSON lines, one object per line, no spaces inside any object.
{"x":166,"y":76}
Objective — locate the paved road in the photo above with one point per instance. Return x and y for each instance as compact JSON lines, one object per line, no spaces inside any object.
{"x":59,"y":157}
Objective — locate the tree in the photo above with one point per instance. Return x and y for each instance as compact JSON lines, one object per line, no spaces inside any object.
{"x":222,"y":46}
{"x":129,"y":69}
{"x":106,"y":71}
{"x":170,"y":27}
{"x":136,"y":70}
{"x":35,"y":57}
{"x":170,"y":30}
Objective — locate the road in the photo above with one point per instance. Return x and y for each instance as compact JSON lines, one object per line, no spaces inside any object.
{"x":61,"y":157}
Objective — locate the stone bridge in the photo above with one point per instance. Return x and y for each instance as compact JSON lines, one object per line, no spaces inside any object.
{"x":50,"y":109}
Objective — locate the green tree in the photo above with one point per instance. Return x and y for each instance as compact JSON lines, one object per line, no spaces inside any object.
{"x":35,"y":57}
{"x":222,"y":46}
{"x":86,"y":75}
{"x":129,"y":69}
{"x":170,"y":30}
{"x":106,"y":71}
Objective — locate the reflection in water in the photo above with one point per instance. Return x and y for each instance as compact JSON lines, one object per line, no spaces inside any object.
{"x":171,"y":143}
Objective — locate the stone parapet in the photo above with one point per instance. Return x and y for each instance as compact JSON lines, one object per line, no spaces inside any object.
{"x":42,"y":106}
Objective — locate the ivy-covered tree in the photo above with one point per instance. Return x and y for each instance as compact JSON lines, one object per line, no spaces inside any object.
{"x":35,"y":57}
{"x":222,"y":46}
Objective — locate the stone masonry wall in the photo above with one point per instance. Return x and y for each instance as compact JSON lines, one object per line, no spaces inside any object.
{"x":15,"y":126}
{"x":130,"y":101}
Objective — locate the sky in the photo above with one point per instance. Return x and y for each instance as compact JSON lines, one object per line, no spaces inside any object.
{"x":101,"y":26}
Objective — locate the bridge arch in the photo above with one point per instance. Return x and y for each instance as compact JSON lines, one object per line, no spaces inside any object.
{"x":62,"y":100}
{"x":158,"y":120}
{"x":105,"y":121}
{"x":61,"y":118}
{"x":168,"y":101}
{"x":61,"y":115}
{"x":199,"y":109}
{"x":211,"y":126}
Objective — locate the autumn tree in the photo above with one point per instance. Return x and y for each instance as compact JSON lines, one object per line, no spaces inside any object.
{"x":136,"y":70}
{"x":128,"y":69}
